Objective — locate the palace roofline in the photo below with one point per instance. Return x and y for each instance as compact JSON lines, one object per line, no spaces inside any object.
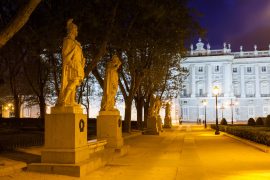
{"x":201,"y":51}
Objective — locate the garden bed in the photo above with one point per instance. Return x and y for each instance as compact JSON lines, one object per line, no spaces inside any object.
{"x":257,"y":134}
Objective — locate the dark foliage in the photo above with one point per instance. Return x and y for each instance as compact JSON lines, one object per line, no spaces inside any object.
{"x":223,"y":121}
{"x":251,"y":122}
{"x":259,"y":121}
{"x":257,"y":134}
{"x":267,"y":121}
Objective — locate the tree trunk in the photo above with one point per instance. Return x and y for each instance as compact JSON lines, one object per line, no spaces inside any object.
{"x":87,"y":113}
{"x":17,"y":106}
{"x":18,"y":22}
{"x":146,"y":107}
{"x":127,"y":119}
{"x":42,"y":106}
{"x":139,"y":107}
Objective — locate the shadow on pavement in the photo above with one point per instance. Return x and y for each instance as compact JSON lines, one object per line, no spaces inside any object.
{"x":22,"y":156}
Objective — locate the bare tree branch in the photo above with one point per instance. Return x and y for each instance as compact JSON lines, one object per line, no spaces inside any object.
{"x":18,"y":22}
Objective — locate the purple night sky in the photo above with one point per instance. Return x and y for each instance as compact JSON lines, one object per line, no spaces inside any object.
{"x":238,"y":22}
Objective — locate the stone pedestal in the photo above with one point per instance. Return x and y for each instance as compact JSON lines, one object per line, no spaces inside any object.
{"x":167,"y":122}
{"x":152,"y":127}
{"x":109,"y":127}
{"x":65,"y":136}
{"x":159,"y":123}
{"x":66,"y":148}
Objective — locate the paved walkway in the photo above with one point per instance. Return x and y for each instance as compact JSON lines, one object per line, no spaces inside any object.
{"x":186,"y":153}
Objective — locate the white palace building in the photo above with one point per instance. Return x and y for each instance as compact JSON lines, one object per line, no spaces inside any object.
{"x":243,"y":79}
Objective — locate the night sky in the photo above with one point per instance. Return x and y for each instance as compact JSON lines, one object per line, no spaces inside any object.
{"x":238,"y":22}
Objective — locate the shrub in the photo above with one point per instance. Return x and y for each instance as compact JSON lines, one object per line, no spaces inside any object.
{"x":259,"y":121}
{"x":223,"y":121}
{"x":254,"y":133}
{"x":267,"y":121}
{"x":251,"y":122}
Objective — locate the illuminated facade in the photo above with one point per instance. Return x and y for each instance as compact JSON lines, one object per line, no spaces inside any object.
{"x":7,"y":111}
{"x":243,"y":79}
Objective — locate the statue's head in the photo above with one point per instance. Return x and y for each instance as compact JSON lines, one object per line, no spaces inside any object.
{"x":72,"y":28}
{"x":116,"y":61}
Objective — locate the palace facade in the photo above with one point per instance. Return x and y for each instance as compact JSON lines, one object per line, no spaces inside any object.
{"x":243,"y":80}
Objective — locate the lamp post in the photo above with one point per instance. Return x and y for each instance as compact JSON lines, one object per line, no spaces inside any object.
{"x":216,"y":91}
{"x":232,"y":106}
{"x":205,"y":104}
{"x":222,"y":110}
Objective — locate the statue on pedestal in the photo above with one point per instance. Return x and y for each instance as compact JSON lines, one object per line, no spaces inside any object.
{"x":152,"y":126}
{"x":152,"y":107}
{"x":168,"y":119}
{"x":168,"y":110}
{"x":157,"y":105}
{"x":157,"y":111}
{"x":72,"y":67}
{"x":110,"y":85}
{"x":109,"y":123}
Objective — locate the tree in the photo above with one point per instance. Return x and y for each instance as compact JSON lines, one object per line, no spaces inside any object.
{"x":18,"y":22}
{"x":155,"y":33}
{"x":36,"y":71}
{"x":147,"y":34}
{"x":13,"y":58}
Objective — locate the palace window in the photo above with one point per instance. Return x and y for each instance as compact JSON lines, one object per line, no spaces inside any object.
{"x":236,"y":89}
{"x":265,"y":88}
{"x":185,"y":111}
{"x":184,"y":92}
{"x":216,"y":68}
{"x":250,"y":91}
{"x":200,"y":92}
{"x":201,"y":111}
{"x":200,"y":69}
{"x":250,"y":111}
{"x":234,"y":70}
{"x":264,"y":69}
{"x":249,"y":69}
{"x":265,"y":110}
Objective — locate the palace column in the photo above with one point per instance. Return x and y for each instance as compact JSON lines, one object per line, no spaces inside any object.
{"x":227,"y":76}
{"x":209,"y":80}
{"x":257,"y":81}
{"x":243,"y":93}
{"x":193,"y":83}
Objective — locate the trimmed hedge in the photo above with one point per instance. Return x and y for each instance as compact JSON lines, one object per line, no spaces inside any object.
{"x":267,"y":121}
{"x":259,"y":121}
{"x":251,"y":122}
{"x":223,"y":121}
{"x":257,"y":134}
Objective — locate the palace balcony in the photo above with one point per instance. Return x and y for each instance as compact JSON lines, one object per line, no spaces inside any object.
{"x":265,"y":95}
{"x":185,"y":95}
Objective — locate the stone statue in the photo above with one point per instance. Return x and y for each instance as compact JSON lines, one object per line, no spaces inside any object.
{"x":168,"y":110}
{"x":157,"y":105}
{"x":110,"y":85}
{"x":151,"y":109}
{"x":72,"y":66}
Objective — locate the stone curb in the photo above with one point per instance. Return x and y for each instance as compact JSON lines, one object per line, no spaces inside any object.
{"x":258,"y":146}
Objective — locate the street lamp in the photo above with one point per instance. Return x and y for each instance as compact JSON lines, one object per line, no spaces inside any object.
{"x":216,"y":92}
{"x":232,"y":106}
{"x":205,"y":104}
{"x":222,"y":110}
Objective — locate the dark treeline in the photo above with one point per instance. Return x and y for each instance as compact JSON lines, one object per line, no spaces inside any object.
{"x":148,"y":35}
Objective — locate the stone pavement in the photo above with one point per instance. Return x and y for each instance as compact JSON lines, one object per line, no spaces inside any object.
{"x":185,"y":152}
